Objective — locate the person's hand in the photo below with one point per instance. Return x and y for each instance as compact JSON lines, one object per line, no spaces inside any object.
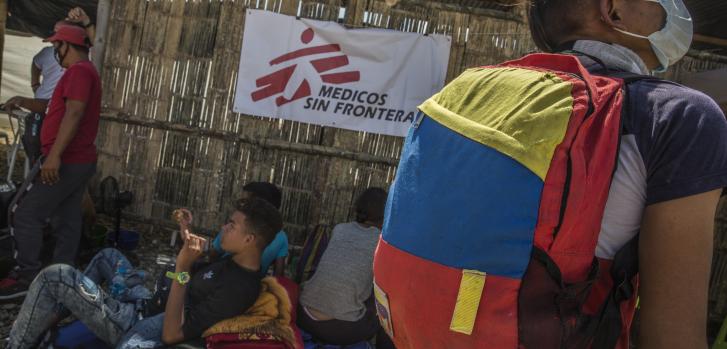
{"x":78,"y":15}
{"x":49,"y":170}
{"x":14,"y":103}
{"x":183,"y":217}
{"x":191,"y":251}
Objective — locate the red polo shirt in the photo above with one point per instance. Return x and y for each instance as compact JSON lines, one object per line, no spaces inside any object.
{"x":80,"y":82}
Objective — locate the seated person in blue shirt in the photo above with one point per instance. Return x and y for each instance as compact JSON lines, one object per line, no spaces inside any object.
{"x":276,"y":252}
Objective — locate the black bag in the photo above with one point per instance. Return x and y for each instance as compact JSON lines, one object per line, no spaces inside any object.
{"x":31,"y":136}
{"x":7,"y":193}
{"x":7,"y":260}
{"x":158,"y":301}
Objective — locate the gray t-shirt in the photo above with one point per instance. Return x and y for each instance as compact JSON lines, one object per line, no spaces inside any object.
{"x":50,"y":71}
{"x":344,"y":277}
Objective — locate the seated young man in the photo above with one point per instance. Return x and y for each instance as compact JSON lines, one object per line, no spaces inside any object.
{"x":337,"y":303}
{"x":219,"y":291}
{"x":276,"y":252}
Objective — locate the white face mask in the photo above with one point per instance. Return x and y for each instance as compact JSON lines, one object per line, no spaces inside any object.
{"x":672,"y":42}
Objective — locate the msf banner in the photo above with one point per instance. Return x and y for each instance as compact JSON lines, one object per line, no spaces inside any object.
{"x":322,"y":73}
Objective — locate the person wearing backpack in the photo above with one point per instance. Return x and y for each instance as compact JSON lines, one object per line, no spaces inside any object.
{"x":575,"y":182}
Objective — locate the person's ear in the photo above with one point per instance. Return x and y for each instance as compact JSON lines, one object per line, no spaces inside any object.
{"x":250,"y":238}
{"x":610,"y":11}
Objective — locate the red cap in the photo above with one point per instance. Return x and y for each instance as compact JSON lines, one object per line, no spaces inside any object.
{"x":69,"y":33}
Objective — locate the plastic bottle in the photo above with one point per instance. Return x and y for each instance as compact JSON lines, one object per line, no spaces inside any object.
{"x":118,"y":282}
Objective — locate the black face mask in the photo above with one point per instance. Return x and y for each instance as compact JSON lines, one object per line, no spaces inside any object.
{"x":59,"y":57}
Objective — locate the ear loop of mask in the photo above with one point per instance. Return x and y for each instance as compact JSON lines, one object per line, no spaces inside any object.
{"x":60,"y":58}
{"x":639,"y":36}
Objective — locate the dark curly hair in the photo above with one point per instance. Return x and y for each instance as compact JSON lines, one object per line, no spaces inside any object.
{"x":370,"y":205}
{"x":552,"y":20}
{"x":262,"y":217}
{"x":266,"y":191}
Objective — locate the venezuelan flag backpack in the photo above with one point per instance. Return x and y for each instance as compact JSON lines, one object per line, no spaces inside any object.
{"x":492,"y":222}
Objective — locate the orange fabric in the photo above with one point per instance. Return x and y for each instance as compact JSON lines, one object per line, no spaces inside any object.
{"x":421,"y":316}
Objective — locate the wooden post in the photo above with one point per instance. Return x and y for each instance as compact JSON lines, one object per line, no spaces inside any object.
{"x":103,"y":13}
{"x":3,"y":21}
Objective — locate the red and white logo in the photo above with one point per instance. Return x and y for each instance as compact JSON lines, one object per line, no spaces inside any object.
{"x":290,"y":83}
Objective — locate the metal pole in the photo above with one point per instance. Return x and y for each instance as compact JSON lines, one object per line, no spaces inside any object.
{"x":103,"y":14}
{"x":3,"y":20}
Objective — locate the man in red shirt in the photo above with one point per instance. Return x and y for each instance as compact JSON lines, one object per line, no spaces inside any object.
{"x":55,"y":188}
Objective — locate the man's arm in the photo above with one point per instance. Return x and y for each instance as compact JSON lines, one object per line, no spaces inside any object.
{"x":78,"y":15}
{"x":67,"y":130}
{"x":34,"y":77}
{"x":675,"y":256}
{"x":174,"y":311}
{"x":32,"y":104}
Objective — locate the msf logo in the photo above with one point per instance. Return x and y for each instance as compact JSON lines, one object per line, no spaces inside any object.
{"x":290,"y":84}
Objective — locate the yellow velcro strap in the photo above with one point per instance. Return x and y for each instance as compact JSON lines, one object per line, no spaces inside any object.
{"x":468,"y":301}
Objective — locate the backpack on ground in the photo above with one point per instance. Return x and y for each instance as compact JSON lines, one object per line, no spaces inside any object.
{"x":492,"y":222}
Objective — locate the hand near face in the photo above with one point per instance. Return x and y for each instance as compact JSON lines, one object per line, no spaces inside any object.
{"x":193,"y":248}
{"x":183,"y":217}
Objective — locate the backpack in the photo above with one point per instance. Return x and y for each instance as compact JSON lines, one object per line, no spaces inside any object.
{"x":315,"y":244}
{"x":492,"y":221}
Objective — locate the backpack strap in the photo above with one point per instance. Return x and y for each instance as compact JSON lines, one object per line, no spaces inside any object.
{"x":629,"y":77}
{"x":597,"y":60}
{"x":604,"y":70}
{"x":607,"y":328}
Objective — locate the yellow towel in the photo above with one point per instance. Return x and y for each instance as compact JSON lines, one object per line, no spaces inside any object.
{"x":269,"y":316}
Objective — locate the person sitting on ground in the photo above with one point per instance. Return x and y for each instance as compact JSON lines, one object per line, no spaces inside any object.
{"x":219,"y":291}
{"x":277,"y":251}
{"x":337,"y":303}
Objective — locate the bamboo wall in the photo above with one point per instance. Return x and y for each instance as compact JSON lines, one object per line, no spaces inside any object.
{"x":169,"y":134}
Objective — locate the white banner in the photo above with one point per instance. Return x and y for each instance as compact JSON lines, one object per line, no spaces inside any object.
{"x":322,"y":73}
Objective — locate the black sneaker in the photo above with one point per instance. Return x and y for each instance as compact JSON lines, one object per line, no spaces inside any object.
{"x":13,"y":288}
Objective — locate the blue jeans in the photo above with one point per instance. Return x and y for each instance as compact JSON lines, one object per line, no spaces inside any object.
{"x":60,"y":289}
